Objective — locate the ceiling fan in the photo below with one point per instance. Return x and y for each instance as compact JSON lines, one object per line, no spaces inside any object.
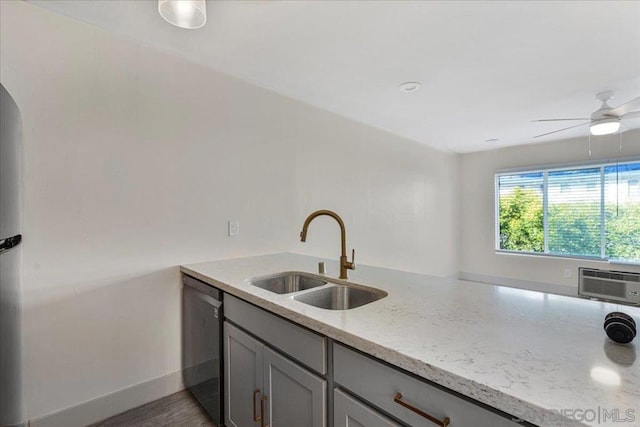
{"x":605,"y":120}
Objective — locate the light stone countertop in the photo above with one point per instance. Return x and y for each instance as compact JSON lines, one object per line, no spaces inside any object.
{"x":530,"y":354}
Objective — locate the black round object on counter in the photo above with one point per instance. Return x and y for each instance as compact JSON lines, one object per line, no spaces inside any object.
{"x":620,"y":327}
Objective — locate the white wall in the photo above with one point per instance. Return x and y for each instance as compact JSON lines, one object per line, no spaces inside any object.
{"x":477,"y":171}
{"x":398,"y":198}
{"x":134,"y":161}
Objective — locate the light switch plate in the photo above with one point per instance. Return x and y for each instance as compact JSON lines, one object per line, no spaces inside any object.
{"x":234,"y":228}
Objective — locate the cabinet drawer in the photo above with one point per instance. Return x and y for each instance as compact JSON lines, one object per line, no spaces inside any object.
{"x":300,"y":344}
{"x":349,"y":412}
{"x":378,"y":384}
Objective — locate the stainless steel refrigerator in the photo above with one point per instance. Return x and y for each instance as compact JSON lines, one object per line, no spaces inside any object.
{"x":11,"y":405}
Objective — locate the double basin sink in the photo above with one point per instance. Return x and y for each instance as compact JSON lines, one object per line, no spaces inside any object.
{"x":319,"y":291}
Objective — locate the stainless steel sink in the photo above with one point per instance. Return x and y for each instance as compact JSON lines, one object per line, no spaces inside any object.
{"x":286,"y":283}
{"x":340,"y":297}
{"x":332,"y":295}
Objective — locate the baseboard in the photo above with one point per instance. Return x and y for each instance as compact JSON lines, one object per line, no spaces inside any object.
{"x":111,"y":404}
{"x":520,"y":284}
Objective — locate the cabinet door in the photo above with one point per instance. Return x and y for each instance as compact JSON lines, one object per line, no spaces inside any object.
{"x":243,"y":376}
{"x":295,"y":396}
{"x":348,"y":412}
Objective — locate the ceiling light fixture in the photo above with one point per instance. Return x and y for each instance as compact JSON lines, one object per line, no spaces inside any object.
{"x":605,"y":126}
{"x":410,"y":86}
{"x":190,"y":14}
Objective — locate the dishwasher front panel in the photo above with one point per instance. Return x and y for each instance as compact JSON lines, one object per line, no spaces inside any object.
{"x":202,"y":345}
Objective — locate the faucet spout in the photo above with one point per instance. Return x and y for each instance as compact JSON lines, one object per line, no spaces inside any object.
{"x":344,"y":263}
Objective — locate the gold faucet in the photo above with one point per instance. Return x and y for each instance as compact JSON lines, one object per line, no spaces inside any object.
{"x":344,"y":264}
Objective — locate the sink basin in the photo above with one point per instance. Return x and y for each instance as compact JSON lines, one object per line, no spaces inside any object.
{"x":340,"y":297}
{"x":334,"y":295}
{"x":286,"y":283}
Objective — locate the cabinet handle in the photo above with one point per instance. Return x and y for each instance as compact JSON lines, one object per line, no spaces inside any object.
{"x":262,"y":399}
{"x":398,"y":399}
{"x":255,"y":393}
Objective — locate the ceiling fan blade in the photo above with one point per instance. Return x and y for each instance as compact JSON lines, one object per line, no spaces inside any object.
{"x":632,"y":115}
{"x":560,"y":130}
{"x":557,"y":120}
{"x":625,"y":108}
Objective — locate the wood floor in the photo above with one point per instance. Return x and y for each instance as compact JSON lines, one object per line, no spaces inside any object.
{"x":179,"y":409}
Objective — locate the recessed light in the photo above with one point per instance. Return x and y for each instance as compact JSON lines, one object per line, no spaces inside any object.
{"x":410,"y":86}
{"x":491,"y":140}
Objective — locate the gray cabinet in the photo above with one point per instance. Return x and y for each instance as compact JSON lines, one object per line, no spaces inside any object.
{"x":298,"y":343}
{"x":349,"y":412}
{"x":410,"y":400}
{"x":276,"y":375}
{"x":243,"y":356}
{"x":265,"y":388}
{"x":296,"y":397}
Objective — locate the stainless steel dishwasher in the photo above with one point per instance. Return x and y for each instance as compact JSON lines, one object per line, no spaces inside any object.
{"x":202,"y":344}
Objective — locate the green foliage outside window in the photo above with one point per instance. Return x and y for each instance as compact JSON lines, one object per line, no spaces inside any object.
{"x":623,"y":232}
{"x":578,"y":230}
{"x":521,"y":221}
{"x":574,"y":229}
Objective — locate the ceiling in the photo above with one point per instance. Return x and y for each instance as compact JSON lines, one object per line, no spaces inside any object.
{"x":487,"y":68}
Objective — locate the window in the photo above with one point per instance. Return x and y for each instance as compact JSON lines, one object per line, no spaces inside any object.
{"x":633,"y":188}
{"x":582,"y":211}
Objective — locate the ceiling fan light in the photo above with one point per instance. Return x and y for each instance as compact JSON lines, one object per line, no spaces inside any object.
{"x":189,"y":14}
{"x":605,"y":126}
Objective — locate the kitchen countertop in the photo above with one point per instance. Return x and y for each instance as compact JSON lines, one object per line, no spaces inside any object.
{"x":530,"y":354}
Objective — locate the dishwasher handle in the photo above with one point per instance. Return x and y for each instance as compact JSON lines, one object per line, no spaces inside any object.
{"x":209,"y":300}
{"x":204,"y":288}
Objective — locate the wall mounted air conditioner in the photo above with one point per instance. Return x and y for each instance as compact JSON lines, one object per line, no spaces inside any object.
{"x":619,"y":286}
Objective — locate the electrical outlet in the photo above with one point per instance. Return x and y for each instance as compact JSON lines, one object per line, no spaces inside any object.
{"x":234,"y":228}
{"x":568,"y":273}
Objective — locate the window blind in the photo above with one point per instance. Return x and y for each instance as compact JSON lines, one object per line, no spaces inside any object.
{"x":585,"y":211}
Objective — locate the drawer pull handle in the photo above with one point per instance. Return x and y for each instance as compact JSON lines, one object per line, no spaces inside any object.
{"x":262,"y":399}
{"x":255,"y":416}
{"x":398,"y":399}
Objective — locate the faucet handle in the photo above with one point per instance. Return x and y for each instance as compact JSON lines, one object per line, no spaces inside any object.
{"x":352,"y":264}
